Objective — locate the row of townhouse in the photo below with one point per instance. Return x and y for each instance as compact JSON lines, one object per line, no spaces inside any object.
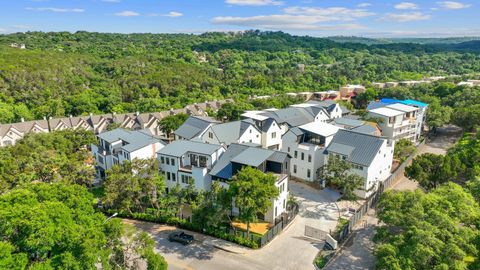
{"x":10,"y":133}
{"x":408,"y":83}
{"x":401,"y":119}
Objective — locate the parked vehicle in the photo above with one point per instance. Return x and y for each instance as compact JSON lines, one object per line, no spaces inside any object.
{"x":181,"y":237}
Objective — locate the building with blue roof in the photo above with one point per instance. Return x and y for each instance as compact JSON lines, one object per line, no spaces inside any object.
{"x":410,"y":124}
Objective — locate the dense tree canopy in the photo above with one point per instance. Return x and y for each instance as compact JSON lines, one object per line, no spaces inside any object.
{"x":55,"y":226}
{"x":48,"y":157}
{"x":80,"y":73}
{"x":436,"y":230}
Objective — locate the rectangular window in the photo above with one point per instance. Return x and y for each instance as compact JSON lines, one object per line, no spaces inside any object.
{"x":303,"y":156}
{"x":295,"y":154}
{"x":274,"y":135}
{"x":210,"y":135}
{"x":162,"y":160}
{"x":173,"y":162}
{"x":203,"y":161}
{"x":168,"y":176}
{"x":100,"y":159}
{"x":294,"y":168}
{"x":174,"y":177}
{"x":288,"y":149}
{"x":309,"y":158}
{"x":308,"y":173}
{"x":168,"y":161}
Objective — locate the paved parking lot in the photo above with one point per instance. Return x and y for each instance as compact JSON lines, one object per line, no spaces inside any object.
{"x":290,"y":250}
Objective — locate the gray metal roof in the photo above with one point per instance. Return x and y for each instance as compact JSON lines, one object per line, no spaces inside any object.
{"x":375,"y":105}
{"x":367,"y":129}
{"x":223,"y":167}
{"x":253,"y":156}
{"x":178,"y":148}
{"x":193,"y":126}
{"x":365,"y":147}
{"x":229,"y":133}
{"x":134,"y":139}
{"x":278,"y":156}
{"x":293,"y":116}
{"x":348,"y":122}
{"x":246,"y":155}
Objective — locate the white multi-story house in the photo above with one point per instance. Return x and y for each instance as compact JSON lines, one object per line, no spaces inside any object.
{"x":186,"y":161}
{"x":400,"y":118}
{"x":271,"y":130}
{"x":242,"y":131}
{"x":238,"y":156}
{"x":306,"y":144}
{"x":370,"y":156}
{"x":194,"y":127}
{"x":118,"y":145}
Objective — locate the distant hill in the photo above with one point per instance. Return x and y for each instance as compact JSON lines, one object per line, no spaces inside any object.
{"x":376,"y":41}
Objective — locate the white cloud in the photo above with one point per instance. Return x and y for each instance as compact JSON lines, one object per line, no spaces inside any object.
{"x":284,"y":22}
{"x":407,"y":17}
{"x":364,"y":5}
{"x":406,"y":5}
{"x":300,"y":18}
{"x":127,"y":13}
{"x":329,"y":14}
{"x":59,"y":10}
{"x":453,"y":5}
{"x":3,"y":30}
{"x":254,"y":2}
{"x":174,"y":14}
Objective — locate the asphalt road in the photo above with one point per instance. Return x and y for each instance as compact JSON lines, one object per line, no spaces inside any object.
{"x":290,"y":250}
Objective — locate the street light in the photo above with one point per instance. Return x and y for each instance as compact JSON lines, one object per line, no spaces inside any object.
{"x":110,"y":217}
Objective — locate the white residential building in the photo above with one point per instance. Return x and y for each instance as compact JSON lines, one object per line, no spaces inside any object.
{"x":370,"y":156}
{"x":243,"y":131}
{"x":185,"y":161}
{"x":306,"y":144}
{"x":401,"y":118}
{"x":238,"y":156}
{"x":118,"y":145}
{"x":271,"y":130}
{"x":398,"y":121}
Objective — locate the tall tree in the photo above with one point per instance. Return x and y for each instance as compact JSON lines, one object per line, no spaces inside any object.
{"x":436,"y":230}
{"x":431,"y":170}
{"x":134,"y":186}
{"x":253,"y":192}
{"x":172,"y":122}
{"x":338,"y":172}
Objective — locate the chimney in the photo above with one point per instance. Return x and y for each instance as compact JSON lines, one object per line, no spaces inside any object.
{"x":137,"y":113}
{"x":22,"y":119}
{"x":44,"y":118}
{"x":70,"y":116}
{"x":91,"y":114}
{"x":50,"y":118}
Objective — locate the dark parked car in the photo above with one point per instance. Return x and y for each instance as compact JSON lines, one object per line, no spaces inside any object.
{"x":180,"y":237}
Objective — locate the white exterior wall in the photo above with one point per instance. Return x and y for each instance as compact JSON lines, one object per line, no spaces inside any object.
{"x":267,"y":139}
{"x":280,"y":203}
{"x":337,"y":112}
{"x":200,"y":175}
{"x":10,"y":138}
{"x":378,"y":171}
{"x":322,"y":117}
{"x":251,"y":135}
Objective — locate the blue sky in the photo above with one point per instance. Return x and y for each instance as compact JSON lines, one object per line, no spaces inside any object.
{"x":375,"y":18}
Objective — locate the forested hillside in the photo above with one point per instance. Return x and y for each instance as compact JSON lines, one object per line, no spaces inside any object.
{"x":80,"y":73}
